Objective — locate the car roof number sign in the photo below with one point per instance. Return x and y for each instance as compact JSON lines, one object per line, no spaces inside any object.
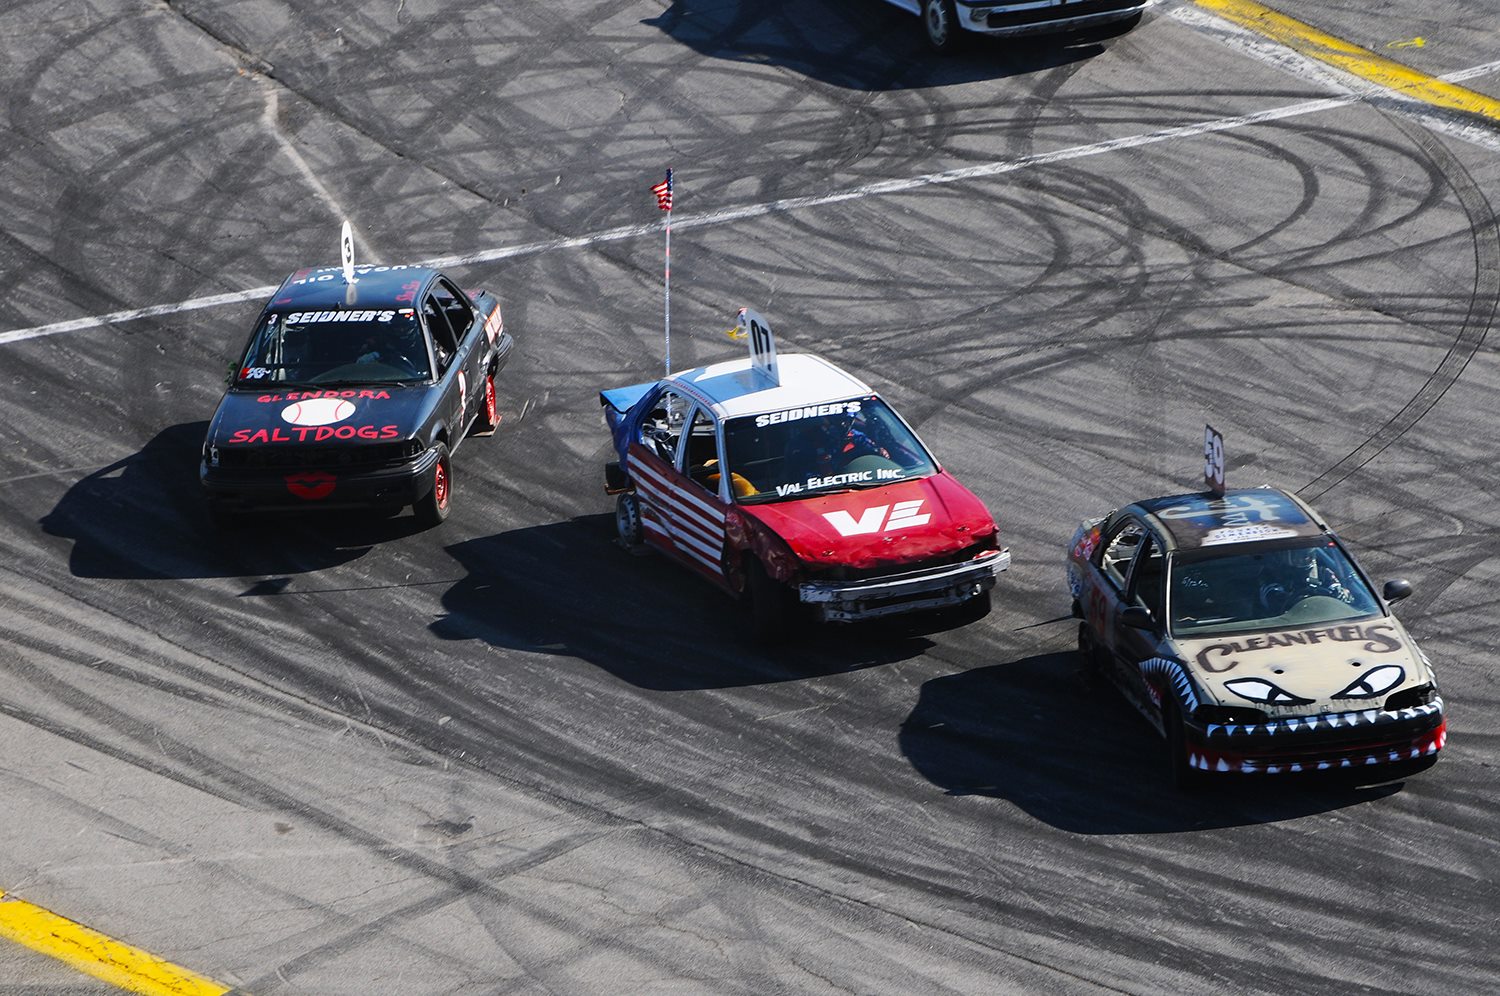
{"x":762,"y":344}
{"x":1213,"y":460}
{"x":346,"y":252}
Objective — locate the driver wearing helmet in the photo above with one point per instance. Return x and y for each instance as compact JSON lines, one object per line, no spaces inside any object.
{"x":397,"y":346}
{"x":825,"y":446}
{"x":1290,"y":575}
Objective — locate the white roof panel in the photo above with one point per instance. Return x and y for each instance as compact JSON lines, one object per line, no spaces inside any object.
{"x":736,"y":389}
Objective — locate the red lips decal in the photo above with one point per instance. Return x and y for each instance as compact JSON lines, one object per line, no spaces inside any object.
{"x":311,"y":485}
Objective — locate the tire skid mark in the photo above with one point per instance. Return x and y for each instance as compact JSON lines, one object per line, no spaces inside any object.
{"x":1471,"y":334}
{"x":213,"y":777}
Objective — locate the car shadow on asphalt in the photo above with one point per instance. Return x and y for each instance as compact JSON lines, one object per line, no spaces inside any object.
{"x":1075,"y":756}
{"x":143,"y":517}
{"x":856,"y":44}
{"x":567,"y":589}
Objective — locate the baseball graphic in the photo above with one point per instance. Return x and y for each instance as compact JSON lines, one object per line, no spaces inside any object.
{"x":317,"y":411}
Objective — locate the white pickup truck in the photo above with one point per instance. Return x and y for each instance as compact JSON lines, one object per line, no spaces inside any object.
{"x":947,"y":21}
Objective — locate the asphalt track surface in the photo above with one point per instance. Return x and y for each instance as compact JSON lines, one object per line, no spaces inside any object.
{"x":340,"y":755}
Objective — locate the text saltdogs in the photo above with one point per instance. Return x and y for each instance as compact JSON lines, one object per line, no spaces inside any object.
{"x":314,"y":433}
{"x":1378,"y":638}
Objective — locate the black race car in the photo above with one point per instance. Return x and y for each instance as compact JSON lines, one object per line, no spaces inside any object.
{"x":356,"y":394}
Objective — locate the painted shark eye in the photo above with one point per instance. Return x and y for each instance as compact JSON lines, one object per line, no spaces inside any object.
{"x":1260,"y":690}
{"x":1376,"y":681}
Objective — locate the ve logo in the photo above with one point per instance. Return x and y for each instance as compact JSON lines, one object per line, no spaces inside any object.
{"x":875,"y":520}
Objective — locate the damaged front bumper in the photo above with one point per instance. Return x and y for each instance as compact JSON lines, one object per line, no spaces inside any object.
{"x":928,"y":588}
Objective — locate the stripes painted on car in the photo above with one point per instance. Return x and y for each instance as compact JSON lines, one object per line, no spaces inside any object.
{"x":697,"y":528}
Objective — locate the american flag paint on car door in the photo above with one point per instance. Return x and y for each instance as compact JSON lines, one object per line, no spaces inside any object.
{"x":678,"y":516}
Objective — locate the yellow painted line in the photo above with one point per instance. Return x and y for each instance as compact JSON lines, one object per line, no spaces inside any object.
{"x":1309,"y":41}
{"x":102,"y":957}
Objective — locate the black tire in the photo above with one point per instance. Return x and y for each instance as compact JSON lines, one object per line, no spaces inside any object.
{"x":433,"y":508}
{"x":489,"y":410}
{"x":628,"y":521}
{"x":221,"y":516}
{"x":940,"y":25}
{"x":1184,"y":777}
{"x":772,"y":609}
{"x":971,"y":610}
{"x":1093,"y":665}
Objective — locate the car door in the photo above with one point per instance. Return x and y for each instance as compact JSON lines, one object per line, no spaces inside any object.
{"x":679,"y":516}
{"x":696,"y":520}
{"x":456,"y":332}
{"x":1128,"y":558}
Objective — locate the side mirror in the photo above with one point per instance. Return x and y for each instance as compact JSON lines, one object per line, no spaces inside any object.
{"x":1396,"y":589}
{"x":1137,"y":617}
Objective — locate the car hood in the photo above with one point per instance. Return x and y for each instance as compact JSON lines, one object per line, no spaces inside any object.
{"x":290,"y":418}
{"x":900,"y":523}
{"x":1338,"y":667}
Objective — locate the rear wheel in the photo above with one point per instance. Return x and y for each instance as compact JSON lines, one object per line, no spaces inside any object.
{"x":433,"y":508}
{"x":1093,"y":666}
{"x":941,"y":21}
{"x":628,"y":521}
{"x":489,"y":412}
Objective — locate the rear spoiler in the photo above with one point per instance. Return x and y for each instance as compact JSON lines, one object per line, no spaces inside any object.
{"x":622,"y":399}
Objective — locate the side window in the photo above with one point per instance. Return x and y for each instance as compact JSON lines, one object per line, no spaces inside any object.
{"x":453,"y":303}
{"x":661,"y":429}
{"x":1120,"y":550}
{"x":1148,"y":579}
{"x":443,"y":342}
{"x":700,"y":455}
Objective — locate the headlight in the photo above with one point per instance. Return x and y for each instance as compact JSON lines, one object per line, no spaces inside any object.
{"x":1410,"y":698}
{"x":1228,"y":715}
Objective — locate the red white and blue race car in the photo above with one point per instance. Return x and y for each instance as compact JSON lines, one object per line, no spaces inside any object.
{"x":1244,"y":631}
{"x":793,"y":485}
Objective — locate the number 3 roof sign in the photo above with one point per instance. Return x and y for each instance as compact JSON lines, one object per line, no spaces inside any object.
{"x":1213,"y":460}
{"x":762,"y":344}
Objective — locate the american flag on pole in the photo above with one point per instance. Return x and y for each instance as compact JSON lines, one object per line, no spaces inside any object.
{"x":663,"y":192}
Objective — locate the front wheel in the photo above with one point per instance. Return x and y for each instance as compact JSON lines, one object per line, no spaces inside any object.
{"x":221,"y":516}
{"x":941,"y":21}
{"x":773,"y":607}
{"x":1185,"y":778}
{"x":433,"y":509}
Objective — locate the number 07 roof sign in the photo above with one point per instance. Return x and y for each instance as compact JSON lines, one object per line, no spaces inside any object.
{"x":757,"y":330}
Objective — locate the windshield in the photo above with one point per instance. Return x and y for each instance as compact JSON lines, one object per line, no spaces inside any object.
{"x":1284,"y":586}
{"x":819,"y":449}
{"x":326,"y":347}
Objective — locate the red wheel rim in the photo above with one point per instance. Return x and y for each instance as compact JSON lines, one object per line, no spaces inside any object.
{"x":440,"y":485}
{"x":489,"y":399}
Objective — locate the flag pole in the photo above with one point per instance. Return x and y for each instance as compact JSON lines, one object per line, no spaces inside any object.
{"x":663,"y":192}
{"x":667,"y":283}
